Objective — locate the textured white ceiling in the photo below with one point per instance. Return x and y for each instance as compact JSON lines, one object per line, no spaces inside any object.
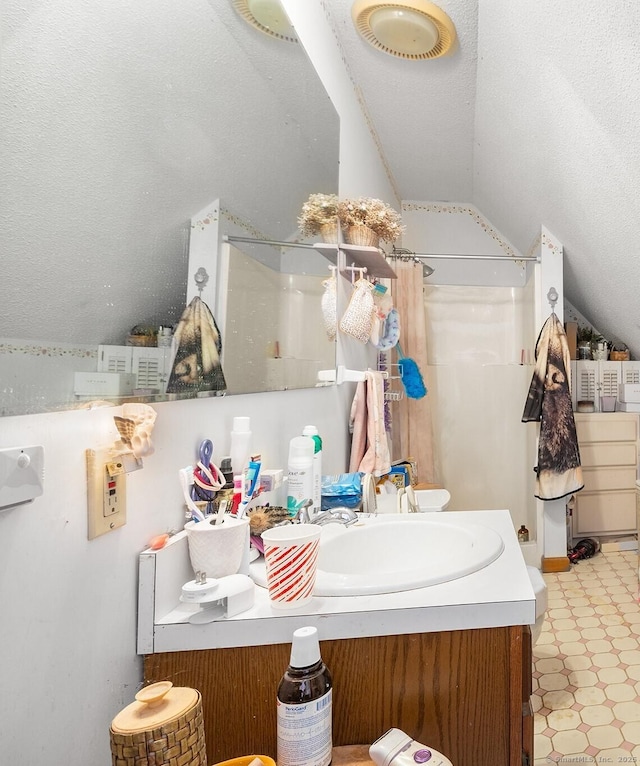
{"x":534,"y":119}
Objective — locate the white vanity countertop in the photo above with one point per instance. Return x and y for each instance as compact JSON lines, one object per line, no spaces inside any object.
{"x":498,"y":595}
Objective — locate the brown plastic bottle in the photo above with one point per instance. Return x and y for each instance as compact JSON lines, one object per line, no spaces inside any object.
{"x":304,"y":712}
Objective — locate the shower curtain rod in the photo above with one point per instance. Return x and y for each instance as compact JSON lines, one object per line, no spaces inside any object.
{"x":398,"y":254}
{"x":465,"y":257}
{"x":253,"y":241}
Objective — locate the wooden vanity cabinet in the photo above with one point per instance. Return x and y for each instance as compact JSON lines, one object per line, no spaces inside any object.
{"x":465,"y":693}
{"x":608,"y":452}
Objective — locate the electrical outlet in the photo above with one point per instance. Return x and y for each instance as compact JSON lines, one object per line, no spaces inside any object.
{"x":106,"y":493}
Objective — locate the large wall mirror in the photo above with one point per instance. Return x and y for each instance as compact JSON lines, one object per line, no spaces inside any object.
{"x":121,"y":122}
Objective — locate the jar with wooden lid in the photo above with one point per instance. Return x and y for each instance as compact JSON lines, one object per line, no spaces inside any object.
{"x":164,"y":724}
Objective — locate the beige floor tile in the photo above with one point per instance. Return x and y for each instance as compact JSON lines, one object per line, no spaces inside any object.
{"x":576,"y":647}
{"x":578,"y":662}
{"x":558,"y":700}
{"x":542,"y":746}
{"x":551,"y":665}
{"x":582,"y":678}
{"x":565,"y":629}
{"x":588,"y":696}
{"x":567,"y":742}
{"x":627,"y":711}
{"x":628,"y":642}
{"x":605,"y":660}
{"x":604,"y":737}
{"x":631,"y":732}
{"x":597,"y":715}
{"x":552,"y":682}
{"x":630,"y":657}
{"x":563,"y":720}
{"x":617,"y":631}
{"x":611,"y":675}
{"x":633,"y":671}
{"x":620,"y":692}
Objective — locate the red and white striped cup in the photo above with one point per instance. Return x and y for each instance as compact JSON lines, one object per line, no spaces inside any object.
{"x":291,"y":556}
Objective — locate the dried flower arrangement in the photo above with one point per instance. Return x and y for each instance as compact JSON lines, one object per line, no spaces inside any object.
{"x":317,"y":211}
{"x":373,"y":213}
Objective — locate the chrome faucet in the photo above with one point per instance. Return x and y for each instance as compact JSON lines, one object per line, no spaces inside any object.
{"x":340,"y":515}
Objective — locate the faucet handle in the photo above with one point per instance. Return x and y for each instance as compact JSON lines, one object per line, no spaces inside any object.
{"x":302,"y":515}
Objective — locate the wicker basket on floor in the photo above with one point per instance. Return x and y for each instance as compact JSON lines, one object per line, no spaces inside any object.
{"x":164,"y":727}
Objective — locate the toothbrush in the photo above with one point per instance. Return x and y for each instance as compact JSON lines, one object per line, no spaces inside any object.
{"x":186,"y":478}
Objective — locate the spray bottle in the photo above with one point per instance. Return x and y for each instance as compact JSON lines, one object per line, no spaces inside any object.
{"x":304,"y":711}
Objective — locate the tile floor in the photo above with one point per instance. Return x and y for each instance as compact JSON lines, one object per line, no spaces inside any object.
{"x":586,"y":679}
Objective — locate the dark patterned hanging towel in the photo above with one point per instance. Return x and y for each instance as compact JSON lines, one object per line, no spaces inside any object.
{"x":549,"y":401}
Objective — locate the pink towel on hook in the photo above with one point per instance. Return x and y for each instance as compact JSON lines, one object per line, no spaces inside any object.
{"x":369,"y":445}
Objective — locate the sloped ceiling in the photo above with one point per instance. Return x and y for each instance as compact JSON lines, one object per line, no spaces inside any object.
{"x":534,"y":119}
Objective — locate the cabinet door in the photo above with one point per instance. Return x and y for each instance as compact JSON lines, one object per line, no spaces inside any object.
{"x":605,"y":512}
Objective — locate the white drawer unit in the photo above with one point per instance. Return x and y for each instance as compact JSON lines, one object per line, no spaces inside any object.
{"x":590,"y":380}
{"x":149,"y":364}
{"x":609,"y":454}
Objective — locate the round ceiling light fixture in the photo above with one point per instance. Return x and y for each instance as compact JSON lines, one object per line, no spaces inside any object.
{"x":409,"y":29}
{"x":268,"y":16}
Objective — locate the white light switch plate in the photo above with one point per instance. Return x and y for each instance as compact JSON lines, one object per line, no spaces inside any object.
{"x":21,"y":475}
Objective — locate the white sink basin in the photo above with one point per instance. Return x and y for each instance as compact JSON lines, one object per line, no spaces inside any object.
{"x":387,"y":554}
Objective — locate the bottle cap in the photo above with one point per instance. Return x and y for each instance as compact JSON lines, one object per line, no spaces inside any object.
{"x":305,"y":648}
{"x":301,"y":446}
{"x":242,"y":424}
{"x":310,"y":431}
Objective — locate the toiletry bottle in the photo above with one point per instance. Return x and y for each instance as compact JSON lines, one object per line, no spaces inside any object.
{"x":523,"y":534}
{"x":312,"y":432}
{"x":240,"y":450}
{"x":304,"y":713}
{"x":300,"y":473}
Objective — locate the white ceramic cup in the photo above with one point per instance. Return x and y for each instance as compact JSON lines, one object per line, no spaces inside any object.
{"x":217,"y":549}
{"x":291,"y":557}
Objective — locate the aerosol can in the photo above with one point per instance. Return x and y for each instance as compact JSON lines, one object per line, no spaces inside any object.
{"x":395,"y":748}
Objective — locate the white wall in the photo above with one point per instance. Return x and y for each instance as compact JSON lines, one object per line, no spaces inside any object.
{"x":69,"y":605}
{"x":67,"y":641}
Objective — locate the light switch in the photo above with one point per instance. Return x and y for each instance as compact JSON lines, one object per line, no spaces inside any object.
{"x":21,"y":475}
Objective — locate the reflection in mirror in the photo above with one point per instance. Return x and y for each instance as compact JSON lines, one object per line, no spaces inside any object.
{"x":115,"y":135}
{"x":273,"y":324}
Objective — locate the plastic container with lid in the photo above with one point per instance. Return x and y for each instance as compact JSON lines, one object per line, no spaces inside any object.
{"x":145,"y":732}
{"x":312,"y":432}
{"x":300,"y":473}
